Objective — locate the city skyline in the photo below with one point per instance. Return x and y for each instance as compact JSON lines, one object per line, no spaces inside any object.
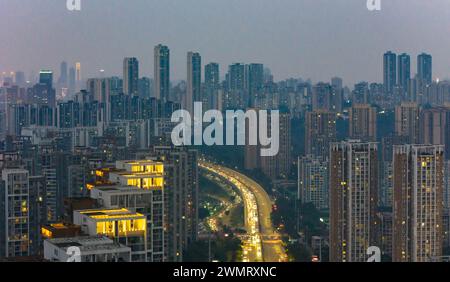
{"x":82,"y":40}
{"x":225,"y":131}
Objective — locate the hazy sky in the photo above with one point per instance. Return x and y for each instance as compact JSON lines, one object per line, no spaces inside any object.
{"x":314,"y":39}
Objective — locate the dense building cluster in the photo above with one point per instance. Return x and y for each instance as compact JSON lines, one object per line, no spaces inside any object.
{"x":90,"y":162}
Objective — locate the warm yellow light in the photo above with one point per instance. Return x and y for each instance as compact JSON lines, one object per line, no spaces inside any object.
{"x":124,"y":227}
{"x":46,"y":233}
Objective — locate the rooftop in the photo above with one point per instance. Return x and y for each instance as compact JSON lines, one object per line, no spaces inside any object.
{"x":111,"y":214}
{"x":87,"y":243}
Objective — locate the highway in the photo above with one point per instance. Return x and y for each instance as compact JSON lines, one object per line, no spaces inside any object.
{"x":262,"y":242}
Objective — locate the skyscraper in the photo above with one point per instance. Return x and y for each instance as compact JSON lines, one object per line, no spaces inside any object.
{"x":15,"y":215}
{"x":72,"y":82}
{"x":418,"y":203}
{"x":46,"y":77}
{"x":181,"y":192}
{"x":130,"y":76}
{"x":162,"y":72}
{"x":425,"y":68}
{"x":194,"y":80}
{"x":236,"y":86}
{"x":353,"y":200}
{"x":78,"y":72}
{"x":212,"y":83}
{"x":236,"y":79}
{"x":389,"y":72}
{"x":404,"y":72}
{"x":212,"y":78}
{"x":63,"y":75}
{"x":255,"y":81}
{"x":363,"y":122}
{"x":78,"y":85}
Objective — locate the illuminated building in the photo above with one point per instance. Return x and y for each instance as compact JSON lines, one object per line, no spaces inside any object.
{"x":386,"y":170}
{"x":122,"y":225}
{"x":47,"y":159}
{"x":313,"y":181}
{"x":142,"y":174}
{"x":418,"y":203}
{"x":15,"y":225}
{"x":92,"y":249}
{"x":181,"y":198}
{"x":353,"y":200}
{"x":60,"y":230}
{"x":137,"y":185}
{"x":143,"y":201}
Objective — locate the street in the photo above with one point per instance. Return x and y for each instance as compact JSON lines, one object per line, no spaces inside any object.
{"x":262,"y":242}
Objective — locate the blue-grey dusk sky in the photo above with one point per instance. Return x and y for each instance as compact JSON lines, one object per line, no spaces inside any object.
{"x":314,"y":39}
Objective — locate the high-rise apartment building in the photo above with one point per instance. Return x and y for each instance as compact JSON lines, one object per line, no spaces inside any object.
{"x":353,"y":200}
{"x":313,"y":181}
{"x":389,"y":72}
{"x":254,"y":81}
{"x":194,"y":81}
{"x":279,"y":166}
{"x":425,"y":68}
{"x":320,"y":131}
{"x":130,"y":76}
{"x":15,"y":213}
{"x":434,"y":128}
{"x":418,"y":203}
{"x":407,"y":121}
{"x":143,"y":201}
{"x":182,"y":198}
{"x":162,"y":73}
{"x":404,"y":72}
{"x":363,"y":122}
{"x":212,"y":85}
{"x":121,"y":225}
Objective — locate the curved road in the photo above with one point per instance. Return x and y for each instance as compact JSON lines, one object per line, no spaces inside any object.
{"x":263,"y":242}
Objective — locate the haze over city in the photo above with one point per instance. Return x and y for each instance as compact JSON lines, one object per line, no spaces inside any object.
{"x":315,"y":39}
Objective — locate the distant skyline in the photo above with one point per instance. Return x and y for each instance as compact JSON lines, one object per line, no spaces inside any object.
{"x":315,"y":39}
